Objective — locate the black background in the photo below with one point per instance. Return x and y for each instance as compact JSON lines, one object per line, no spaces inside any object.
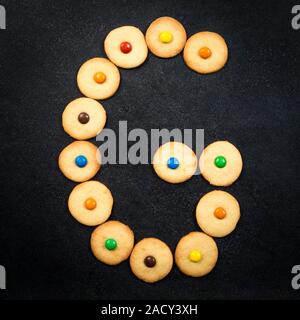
{"x":253,"y":102}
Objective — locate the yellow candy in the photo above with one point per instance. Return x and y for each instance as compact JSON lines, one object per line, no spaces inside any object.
{"x":166,"y":37}
{"x":195,"y":256}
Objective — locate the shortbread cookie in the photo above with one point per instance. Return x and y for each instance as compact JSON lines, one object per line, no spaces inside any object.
{"x":221,"y":163}
{"x":218,"y":213}
{"x":205,"y":52}
{"x":98,"y":78}
{"x":175,"y":162}
{"x":126,"y":47}
{"x":90,"y":203}
{"x":165,"y":37}
{"x":196,"y":254}
{"x":112,"y":242}
{"x":79,"y":161}
{"x":151,"y":260}
{"x":83,"y":118}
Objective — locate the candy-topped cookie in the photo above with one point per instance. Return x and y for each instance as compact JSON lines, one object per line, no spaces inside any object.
{"x":98,"y":78}
{"x":221,"y":163}
{"x":165,"y":37}
{"x":112,"y":242}
{"x":83,"y":118}
{"x":90,"y":203}
{"x":151,"y":260}
{"x":174,"y":162}
{"x":126,"y":47}
{"x":218,"y":213}
{"x":196,"y":254}
{"x":79,"y":161}
{"x":205,"y":52}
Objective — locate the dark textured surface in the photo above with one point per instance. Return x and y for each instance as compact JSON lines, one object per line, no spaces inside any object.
{"x":253,"y":102}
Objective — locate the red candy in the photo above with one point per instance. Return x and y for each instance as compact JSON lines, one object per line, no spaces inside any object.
{"x":125,"y":47}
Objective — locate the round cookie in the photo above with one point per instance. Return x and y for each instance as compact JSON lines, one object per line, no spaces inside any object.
{"x":165,"y":37}
{"x":196,"y":254}
{"x":174,"y":162}
{"x":126,"y":47}
{"x":218,"y":213}
{"x":205,"y":52}
{"x":79,"y":161}
{"x":90,"y":203}
{"x":151,"y":260}
{"x":221,"y":163}
{"x":112,"y":242}
{"x":98,"y":78}
{"x":83,"y":118}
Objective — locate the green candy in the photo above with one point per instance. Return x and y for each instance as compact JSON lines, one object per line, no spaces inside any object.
{"x":220,"y":161}
{"x":111,"y":244}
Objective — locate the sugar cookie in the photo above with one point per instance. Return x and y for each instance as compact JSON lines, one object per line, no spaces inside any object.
{"x":98,"y":78}
{"x":83,"y":118}
{"x":174,"y":162}
{"x":221,"y":163}
{"x":196,"y":254}
{"x":151,"y":260}
{"x":205,"y":52}
{"x":112,"y":242}
{"x":90,"y":203}
{"x":79,"y":161}
{"x":126,"y":47}
{"x":218,"y":213}
{"x":165,"y":37}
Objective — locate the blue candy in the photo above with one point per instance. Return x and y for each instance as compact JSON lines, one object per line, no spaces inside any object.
{"x":81,"y":161}
{"x":173,"y":163}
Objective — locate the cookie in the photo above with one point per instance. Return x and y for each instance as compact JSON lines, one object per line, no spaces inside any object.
{"x":126,"y":47}
{"x":218,"y":213}
{"x":221,"y":163}
{"x":112,"y":242}
{"x":196,"y":254}
{"x":165,"y":37}
{"x":90,"y":203}
{"x":151,"y":260}
{"x":205,"y":52}
{"x":174,"y":162}
{"x":79,"y":161}
{"x":98,"y":78}
{"x":83,"y":118}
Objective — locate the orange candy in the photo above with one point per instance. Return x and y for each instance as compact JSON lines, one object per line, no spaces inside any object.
{"x":90,"y":203}
{"x":99,"y":77}
{"x":220,"y":213}
{"x":204,"y":52}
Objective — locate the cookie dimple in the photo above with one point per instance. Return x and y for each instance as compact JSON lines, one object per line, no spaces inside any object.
{"x":174,"y":162}
{"x":218,"y":213}
{"x":79,"y":161}
{"x":221,"y":163}
{"x":83,"y":118}
{"x":126,"y":47}
{"x":165,"y":37}
{"x":112,"y":242}
{"x":205,"y":52}
{"x":90,"y":203}
{"x":196,"y":254}
{"x":98,"y":78}
{"x":151,"y":260}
